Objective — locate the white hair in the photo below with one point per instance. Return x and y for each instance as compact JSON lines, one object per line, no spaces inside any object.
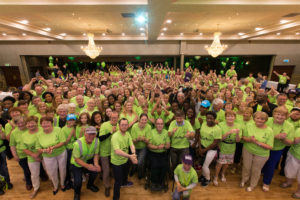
{"x":72,"y":105}
{"x":217,"y":101}
{"x":62,"y":107}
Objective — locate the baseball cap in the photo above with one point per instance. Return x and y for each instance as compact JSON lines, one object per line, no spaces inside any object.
{"x":187,"y":159}
{"x":291,"y":91}
{"x":91,"y":130}
{"x":71,"y":116}
{"x":205,"y":104}
{"x":296,"y":108}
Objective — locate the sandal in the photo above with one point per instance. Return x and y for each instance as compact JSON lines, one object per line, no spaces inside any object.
{"x":285,"y":185}
{"x":265,"y":188}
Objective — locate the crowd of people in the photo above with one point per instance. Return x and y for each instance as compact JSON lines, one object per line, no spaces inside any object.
{"x":153,"y":122}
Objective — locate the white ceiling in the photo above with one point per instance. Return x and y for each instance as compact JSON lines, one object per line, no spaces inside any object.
{"x":191,"y":19}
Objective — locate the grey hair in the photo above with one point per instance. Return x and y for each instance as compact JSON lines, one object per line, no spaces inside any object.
{"x":217,"y":101}
{"x":62,"y":107}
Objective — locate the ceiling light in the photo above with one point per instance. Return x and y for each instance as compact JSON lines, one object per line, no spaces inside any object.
{"x":297,"y":33}
{"x":277,"y":33}
{"x":24,"y":34}
{"x":200,"y":33}
{"x":141,"y":19}
{"x":258,"y":29}
{"x":162,"y":34}
{"x":216,"y":48}
{"x":181,"y":34}
{"x":283,"y":21}
{"x":123,"y":34}
{"x":165,"y":28}
{"x":169,"y":21}
{"x":142,"y":29}
{"x":4,"y":34}
{"x":24,"y":21}
{"x":91,"y":50}
{"x":47,"y":29}
{"x":63,"y":34}
{"x":103,"y":34}
{"x":84,"y":34}
{"x":142,"y":34}
{"x":240,"y":34}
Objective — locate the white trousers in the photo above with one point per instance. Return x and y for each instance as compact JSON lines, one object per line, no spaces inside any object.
{"x":34,"y":168}
{"x":210,"y":155}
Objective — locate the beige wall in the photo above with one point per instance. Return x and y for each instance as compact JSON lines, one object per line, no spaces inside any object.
{"x":11,"y":52}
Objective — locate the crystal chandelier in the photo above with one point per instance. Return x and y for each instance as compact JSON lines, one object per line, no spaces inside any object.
{"x":216,"y":48}
{"x":91,"y":50}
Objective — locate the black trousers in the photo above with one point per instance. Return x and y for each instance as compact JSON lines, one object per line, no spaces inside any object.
{"x":24,"y":164}
{"x":77,"y":174}
{"x":158,"y":167}
{"x":121,"y":178}
{"x":68,"y":170}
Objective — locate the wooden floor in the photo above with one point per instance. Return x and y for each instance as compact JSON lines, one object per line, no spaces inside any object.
{"x":229,"y":190}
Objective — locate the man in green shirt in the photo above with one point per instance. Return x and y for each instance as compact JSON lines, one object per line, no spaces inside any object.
{"x":282,"y":83}
{"x":120,"y":143}
{"x":85,"y":158}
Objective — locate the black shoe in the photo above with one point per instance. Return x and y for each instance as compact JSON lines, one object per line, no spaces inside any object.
{"x":205,"y":183}
{"x":201,"y":179}
{"x":76,"y":196}
{"x":55,"y":192}
{"x":107,"y":192}
{"x":2,"y":192}
{"x":93,"y":188}
{"x":64,"y":189}
{"x":10,"y":186}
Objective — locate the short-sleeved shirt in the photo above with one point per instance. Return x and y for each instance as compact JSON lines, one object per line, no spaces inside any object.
{"x":121,"y":142}
{"x":16,"y":140}
{"x":157,"y":139}
{"x":105,"y":147}
{"x":282,"y":79}
{"x":78,"y":130}
{"x":178,"y":139}
{"x":136,"y":132}
{"x":46,"y":140}
{"x":209,"y":134}
{"x":29,"y":142}
{"x":227,"y":146}
{"x":2,"y":146}
{"x":264,"y":135}
{"x":295,"y":148}
{"x":66,"y":131}
{"x":186,"y":178}
{"x":230,"y":73}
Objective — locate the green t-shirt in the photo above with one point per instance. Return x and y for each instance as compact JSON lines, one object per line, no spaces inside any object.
{"x":264,"y":135}
{"x":209,"y":134}
{"x":227,"y":146}
{"x":136,"y":132}
{"x":178,"y":139}
{"x":157,"y":139}
{"x":230,"y":73}
{"x":296,"y":124}
{"x":295,"y":148}
{"x":163,"y":116}
{"x":2,"y":148}
{"x":272,"y":99}
{"x":29,"y":142}
{"x":7,"y":128}
{"x":121,"y":142}
{"x":251,"y":79}
{"x":105,"y":146}
{"x":66,"y":132}
{"x":32,"y":110}
{"x":186,"y":178}
{"x":196,"y":125}
{"x":16,"y":140}
{"x":286,"y":127}
{"x":282,"y":79}
{"x":220,"y":116}
{"x":78,"y":130}
{"x":87,"y":152}
{"x":46,"y":140}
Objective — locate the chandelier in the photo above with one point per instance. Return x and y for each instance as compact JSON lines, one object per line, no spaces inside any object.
{"x":91,"y":50}
{"x":216,"y":48}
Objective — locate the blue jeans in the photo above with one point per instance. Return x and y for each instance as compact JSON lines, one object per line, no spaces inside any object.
{"x":3,"y":167}
{"x":141,"y":156}
{"x":269,"y":168}
{"x":24,"y":164}
{"x":176,"y":195}
{"x":121,"y":178}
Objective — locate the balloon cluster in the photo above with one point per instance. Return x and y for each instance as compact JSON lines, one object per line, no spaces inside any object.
{"x":51,"y":65}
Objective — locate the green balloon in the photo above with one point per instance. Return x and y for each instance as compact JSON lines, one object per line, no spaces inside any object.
{"x":222,"y":72}
{"x":51,"y":65}
{"x":53,"y":74}
{"x":187,"y":64}
{"x":98,"y":64}
{"x":50,"y":58}
{"x":197,"y":57}
{"x":103,"y":64}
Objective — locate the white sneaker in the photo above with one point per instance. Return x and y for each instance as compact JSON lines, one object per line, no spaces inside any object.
{"x":242,"y":184}
{"x":215,"y":182}
{"x":249,"y":189}
{"x":223,"y":179}
{"x":83,"y":178}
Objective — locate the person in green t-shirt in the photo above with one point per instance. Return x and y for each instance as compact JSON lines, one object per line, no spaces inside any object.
{"x":139,"y":135}
{"x":231,"y":72}
{"x":120,"y":143}
{"x":258,"y":141}
{"x":231,"y":133}
{"x":85,"y":159}
{"x":29,"y":139}
{"x":180,"y":132}
{"x":17,"y":151}
{"x":210,"y":136}
{"x":159,"y":142}
{"x":282,"y":83}
{"x":283,"y":135}
{"x":186,"y":178}
{"x":51,"y":144}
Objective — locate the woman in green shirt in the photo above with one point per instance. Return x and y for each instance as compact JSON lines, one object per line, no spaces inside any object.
{"x":17,"y":151}
{"x":258,"y":141}
{"x":51,"y":143}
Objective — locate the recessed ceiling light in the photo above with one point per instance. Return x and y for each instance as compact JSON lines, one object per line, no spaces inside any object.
{"x":84,"y":34}
{"x":200,"y":33}
{"x":103,"y":34}
{"x":162,"y":34}
{"x":258,"y":29}
{"x":141,"y":19}
{"x":278,"y":33}
{"x":24,"y":34}
{"x":165,"y":28}
{"x":4,"y":34}
{"x":47,"y":29}
{"x":142,"y":29}
{"x":63,"y":34}
{"x":283,"y":21}
{"x":24,"y":21}
{"x":142,"y":34}
{"x":123,"y":34}
{"x":297,"y":33}
{"x":169,"y":21}
{"x":181,"y":34}
{"x":240,"y":34}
